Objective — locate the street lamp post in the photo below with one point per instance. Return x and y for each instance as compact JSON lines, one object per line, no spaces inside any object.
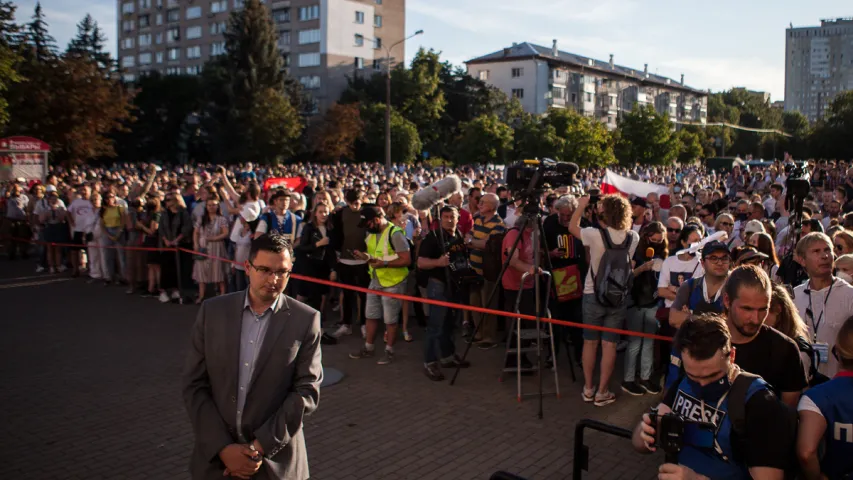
{"x":388,"y":97}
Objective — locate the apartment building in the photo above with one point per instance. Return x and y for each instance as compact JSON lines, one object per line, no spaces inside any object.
{"x":321,"y":41}
{"x":542,"y":77}
{"x":818,"y":66}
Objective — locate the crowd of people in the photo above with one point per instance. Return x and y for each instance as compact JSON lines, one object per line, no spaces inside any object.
{"x":748,"y":285}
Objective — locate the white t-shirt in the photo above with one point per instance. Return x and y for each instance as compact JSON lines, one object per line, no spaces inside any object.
{"x":84,"y":215}
{"x":591,"y":238}
{"x":839,"y":307}
{"x":675,"y":271}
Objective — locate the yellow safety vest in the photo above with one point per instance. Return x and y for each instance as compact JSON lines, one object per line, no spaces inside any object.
{"x":379,"y":246}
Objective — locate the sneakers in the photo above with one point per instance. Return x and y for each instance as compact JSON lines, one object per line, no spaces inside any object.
{"x":632,"y":388}
{"x":604,"y":398}
{"x":164,"y":297}
{"x":455,"y":362}
{"x":363,"y":353}
{"x":649,"y":387}
{"x":407,"y":336}
{"x":342,"y":330}
{"x":433,"y":372}
{"x":40,"y":269}
{"x":387,"y":358}
{"x":61,"y":268}
{"x":176,"y":295}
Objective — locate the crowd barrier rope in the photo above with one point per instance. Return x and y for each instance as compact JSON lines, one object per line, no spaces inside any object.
{"x":439,"y":303}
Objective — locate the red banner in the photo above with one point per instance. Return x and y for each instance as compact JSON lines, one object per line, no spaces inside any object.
{"x":295,"y":184}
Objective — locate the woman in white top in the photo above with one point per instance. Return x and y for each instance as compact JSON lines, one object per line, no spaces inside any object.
{"x":677,"y":269}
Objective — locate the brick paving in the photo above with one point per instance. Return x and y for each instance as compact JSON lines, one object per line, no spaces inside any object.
{"x":91,"y":389}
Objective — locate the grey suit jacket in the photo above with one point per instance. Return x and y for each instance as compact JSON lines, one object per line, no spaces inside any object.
{"x":285,"y":386}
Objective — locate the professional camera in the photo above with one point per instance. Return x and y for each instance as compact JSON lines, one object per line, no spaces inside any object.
{"x":797,"y":184}
{"x":672,"y":433}
{"x":462,"y":273}
{"x":528,"y":176}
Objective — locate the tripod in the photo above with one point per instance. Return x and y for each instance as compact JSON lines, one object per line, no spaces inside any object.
{"x":531,"y":214}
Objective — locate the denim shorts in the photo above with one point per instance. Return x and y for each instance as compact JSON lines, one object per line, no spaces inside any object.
{"x":386,"y":308}
{"x":600,"y":316}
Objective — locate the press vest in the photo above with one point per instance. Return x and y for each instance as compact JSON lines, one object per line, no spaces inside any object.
{"x":273,"y":226}
{"x":704,"y":453}
{"x":696,"y":296}
{"x":379,"y":246}
{"x":835,"y":401}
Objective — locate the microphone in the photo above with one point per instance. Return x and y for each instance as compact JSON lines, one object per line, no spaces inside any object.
{"x":650,"y":252}
{"x":427,"y":197}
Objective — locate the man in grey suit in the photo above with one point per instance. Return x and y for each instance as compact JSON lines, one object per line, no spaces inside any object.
{"x":253,"y":372}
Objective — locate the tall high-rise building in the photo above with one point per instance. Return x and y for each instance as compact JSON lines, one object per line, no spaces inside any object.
{"x":321,"y":41}
{"x":818,"y":65}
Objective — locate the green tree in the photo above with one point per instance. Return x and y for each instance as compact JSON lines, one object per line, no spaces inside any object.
{"x":275,"y":126}
{"x":9,"y":57}
{"x":645,"y":138}
{"x":831,"y":136}
{"x":335,"y":137}
{"x":405,"y":141}
{"x":582,"y":140}
{"x":40,"y":45}
{"x":534,"y":139}
{"x":89,"y":43}
{"x":689,"y":145}
{"x":485,"y":139}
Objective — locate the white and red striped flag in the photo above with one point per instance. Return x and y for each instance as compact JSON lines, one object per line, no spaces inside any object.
{"x":614,"y":183}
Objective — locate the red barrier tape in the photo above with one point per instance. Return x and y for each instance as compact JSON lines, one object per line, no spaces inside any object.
{"x":458,"y":306}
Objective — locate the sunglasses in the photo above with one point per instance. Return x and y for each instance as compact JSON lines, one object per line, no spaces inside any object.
{"x":673,"y":230}
{"x":727,"y":224}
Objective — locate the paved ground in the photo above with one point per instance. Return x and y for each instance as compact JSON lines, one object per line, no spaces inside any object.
{"x":90,"y":389}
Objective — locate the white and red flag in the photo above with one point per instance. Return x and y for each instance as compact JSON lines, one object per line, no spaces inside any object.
{"x":614,"y":183}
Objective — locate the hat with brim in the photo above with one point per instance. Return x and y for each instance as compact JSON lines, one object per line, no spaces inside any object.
{"x":751,"y":255}
{"x":250,"y":212}
{"x":369,"y":211}
{"x":753,"y":226}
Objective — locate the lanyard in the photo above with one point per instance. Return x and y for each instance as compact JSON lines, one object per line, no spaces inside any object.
{"x":705,"y":292}
{"x":810,"y":312}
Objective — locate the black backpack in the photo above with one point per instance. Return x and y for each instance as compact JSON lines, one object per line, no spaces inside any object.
{"x":615,"y":278}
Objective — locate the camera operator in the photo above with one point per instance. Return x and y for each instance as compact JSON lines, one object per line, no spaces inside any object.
{"x":826,"y":415}
{"x":440,"y":350}
{"x":761,"y":350}
{"x":824,"y":301}
{"x":614,"y":214}
{"x":755,"y":446}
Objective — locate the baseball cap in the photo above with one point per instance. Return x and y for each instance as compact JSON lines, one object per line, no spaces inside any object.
{"x":369,"y":211}
{"x":714,"y":246}
{"x":49,"y":189}
{"x":640,"y":202}
{"x":753,"y":226}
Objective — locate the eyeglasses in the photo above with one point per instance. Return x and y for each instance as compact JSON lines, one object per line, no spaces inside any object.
{"x":266,"y":272}
{"x":718,"y":260}
{"x":727,"y":224}
{"x":673,"y":230}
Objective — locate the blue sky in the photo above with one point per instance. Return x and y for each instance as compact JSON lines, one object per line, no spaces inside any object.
{"x":716,"y":45}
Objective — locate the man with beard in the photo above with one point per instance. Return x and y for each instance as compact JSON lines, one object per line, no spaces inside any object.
{"x":388,"y":258}
{"x":824,"y":301}
{"x":761,"y":350}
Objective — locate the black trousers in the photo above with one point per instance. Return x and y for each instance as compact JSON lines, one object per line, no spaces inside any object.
{"x":358,"y":276}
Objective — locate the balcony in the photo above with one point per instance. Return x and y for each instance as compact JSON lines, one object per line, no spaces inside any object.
{"x":557,"y":102}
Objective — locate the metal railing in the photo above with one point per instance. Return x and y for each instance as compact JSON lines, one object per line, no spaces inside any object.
{"x":581,"y":451}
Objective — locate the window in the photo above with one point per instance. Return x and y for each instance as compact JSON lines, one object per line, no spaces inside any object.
{"x":483,"y":75}
{"x":377,"y":64}
{"x":144,"y":4}
{"x":588,"y":96}
{"x":359,"y":40}
{"x":144,"y":21}
{"x":517,"y":93}
{"x":377,"y":20}
{"x":128,"y":78}
{"x":309,"y":36}
{"x":194,"y":70}
{"x":127,"y":7}
{"x":173,"y":15}
{"x":127,"y":25}
{"x":194,"y":32}
{"x":309,"y":13}
{"x":127,"y":43}
{"x":218,"y":28}
{"x":217,"y":48}
{"x":193,"y":12}
{"x":359,"y":17}
{"x":173,"y":71}
{"x":281,"y":16}
{"x":359,"y":62}
{"x":173,"y":34}
{"x":158,"y":38}
{"x":286,"y":59}
{"x":128,"y":61}
{"x":377,"y":43}
{"x":310,"y":82}
{"x":194,"y":52}
{"x":284,"y":38}
{"x":517,"y":72}
{"x":309,"y":59}
{"x":144,"y":40}
{"x":238,"y":4}
{"x":159,"y":19}
{"x":174,"y":53}
{"x":158,"y":57}
{"x":218,"y":6}
{"x":145,"y":59}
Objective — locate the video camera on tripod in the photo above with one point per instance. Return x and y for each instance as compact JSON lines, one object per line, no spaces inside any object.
{"x":797,"y":187}
{"x":671,"y":429}
{"x":527,"y":179}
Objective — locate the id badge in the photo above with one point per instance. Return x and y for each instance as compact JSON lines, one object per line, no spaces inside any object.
{"x":822,"y":351}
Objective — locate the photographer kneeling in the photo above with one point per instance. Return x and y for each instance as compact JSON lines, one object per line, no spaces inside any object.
{"x":748,"y":431}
